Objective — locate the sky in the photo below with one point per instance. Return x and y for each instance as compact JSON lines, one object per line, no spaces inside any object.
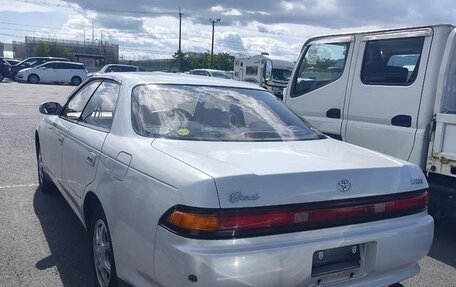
{"x":149,"y":28}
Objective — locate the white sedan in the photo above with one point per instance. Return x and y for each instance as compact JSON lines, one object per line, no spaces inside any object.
{"x":54,"y":72}
{"x":183,"y":180}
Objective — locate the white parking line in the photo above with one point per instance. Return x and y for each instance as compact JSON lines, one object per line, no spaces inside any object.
{"x":18,"y":185}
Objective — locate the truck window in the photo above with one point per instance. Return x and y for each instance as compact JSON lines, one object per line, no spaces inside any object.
{"x":252,"y":70}
{"x":321,"y":65}
{"x":392,"y":61}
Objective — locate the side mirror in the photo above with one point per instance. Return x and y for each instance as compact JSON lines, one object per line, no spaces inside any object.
{"x":268,"y":70}
{"x":42,"y":68}
{"x":50,"y":108}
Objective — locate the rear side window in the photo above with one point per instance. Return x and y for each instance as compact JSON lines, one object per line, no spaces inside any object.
{"x":392,"y":61}
{"x":99,"y":111}
{"x":322,"y":64}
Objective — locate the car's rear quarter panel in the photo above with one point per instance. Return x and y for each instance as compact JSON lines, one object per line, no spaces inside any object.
{"x":153,"y":183}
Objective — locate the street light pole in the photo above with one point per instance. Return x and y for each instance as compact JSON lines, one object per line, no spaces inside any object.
{"x":213,"y":21}
{"x":180,"y":40}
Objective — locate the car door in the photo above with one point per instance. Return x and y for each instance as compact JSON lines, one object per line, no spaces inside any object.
{"x":386,"y":91}
{"x":83,"y":144}
{"x":48,"y":73}
{"x":319,"y":83}
{"x":55,"y":130}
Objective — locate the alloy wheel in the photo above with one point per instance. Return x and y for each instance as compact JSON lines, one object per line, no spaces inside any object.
{"x":102,"y":253}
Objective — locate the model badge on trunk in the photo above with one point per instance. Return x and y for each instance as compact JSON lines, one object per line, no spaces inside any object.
{"x":344,"y":185}
{"x":239,"y":196}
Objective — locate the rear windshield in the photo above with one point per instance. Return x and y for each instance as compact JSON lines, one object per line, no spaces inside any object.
{"x":214,"y":114}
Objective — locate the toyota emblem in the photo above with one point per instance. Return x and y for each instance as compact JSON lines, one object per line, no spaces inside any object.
{"x":344,"y":185}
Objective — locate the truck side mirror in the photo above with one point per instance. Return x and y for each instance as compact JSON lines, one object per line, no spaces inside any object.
{"x":268,"y":70}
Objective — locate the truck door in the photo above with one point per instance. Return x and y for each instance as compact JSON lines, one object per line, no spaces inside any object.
{"x":442,"y":157}
{"x":319,"y":83}
{"x":386,"y":91}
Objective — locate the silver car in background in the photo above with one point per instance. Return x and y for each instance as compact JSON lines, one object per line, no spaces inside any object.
{"x":183,"y":180}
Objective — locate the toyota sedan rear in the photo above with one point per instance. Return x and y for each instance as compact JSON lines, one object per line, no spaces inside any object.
{"x":183,"y":180}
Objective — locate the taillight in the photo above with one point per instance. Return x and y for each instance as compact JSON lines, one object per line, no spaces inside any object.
{"x":246,"y":222}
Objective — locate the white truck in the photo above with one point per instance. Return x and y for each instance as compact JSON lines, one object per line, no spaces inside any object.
{"x":269,"y":72}
{"x":393,"y":91}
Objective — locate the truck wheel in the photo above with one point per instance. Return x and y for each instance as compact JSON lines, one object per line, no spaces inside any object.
{"x":76,"y":81}
{"x":102,"y":251}
{"x":33,"y":79}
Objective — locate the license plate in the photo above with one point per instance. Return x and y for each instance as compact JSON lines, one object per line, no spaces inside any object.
{"x":336,"y":260}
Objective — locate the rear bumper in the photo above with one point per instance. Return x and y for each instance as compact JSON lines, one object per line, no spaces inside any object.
{"x":391,"y":250}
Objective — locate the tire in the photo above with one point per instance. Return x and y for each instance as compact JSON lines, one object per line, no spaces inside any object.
{"x":33,"y":79}
{"x":16,"y":78}
{"x":103,"y":265}
{"x":76,"y":81}
{"x":46,"y":185}
{"x":1,"y":78}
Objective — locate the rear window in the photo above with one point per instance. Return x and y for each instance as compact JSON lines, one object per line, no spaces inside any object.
{"x":214,"y":114}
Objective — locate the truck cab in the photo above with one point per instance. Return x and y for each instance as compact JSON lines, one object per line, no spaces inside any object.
{"x":392,"y":91}
{"x":268,"y":72}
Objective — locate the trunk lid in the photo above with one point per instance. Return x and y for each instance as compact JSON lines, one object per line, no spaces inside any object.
{"x":250,"y":174}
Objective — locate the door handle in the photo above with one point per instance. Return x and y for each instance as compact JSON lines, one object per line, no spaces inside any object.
{"x":61,"y":138}
{"x":402,"y":121}
{"x":91,"y":157}
{"x":333,"y":113}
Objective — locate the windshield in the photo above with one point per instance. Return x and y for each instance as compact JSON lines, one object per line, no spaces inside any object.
{"x":281,"y":74}
{"x":214,"y":114}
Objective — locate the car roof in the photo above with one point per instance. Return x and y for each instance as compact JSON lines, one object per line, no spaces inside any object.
{"x":64,"y":62}
{"x":121,"y":65}
{"x":136,"y":78}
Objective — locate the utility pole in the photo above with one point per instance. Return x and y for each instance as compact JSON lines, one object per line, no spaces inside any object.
{"x":180,"y":41}
{"x":213,"y":21}
{"x":93,"y":33}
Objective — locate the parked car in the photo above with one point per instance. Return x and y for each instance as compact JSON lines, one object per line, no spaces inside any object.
{"x":32,"y":62}
{"x":5,"y":71}
{"x":12,"y":61}
{"x":115,"y":68}
{"x":210,"y":73}
{"x":54,"y":72}
{"x":191,"y":181}
{"x":392,"y":91}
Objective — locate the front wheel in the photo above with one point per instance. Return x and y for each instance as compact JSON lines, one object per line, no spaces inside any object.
{"x":33,"y":79}
{"x":102,"y":251}
{"x":76,"y":81}
{"x":46,"y":185}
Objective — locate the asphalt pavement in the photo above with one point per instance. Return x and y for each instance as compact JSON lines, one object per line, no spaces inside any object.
{"x":42,"y":243}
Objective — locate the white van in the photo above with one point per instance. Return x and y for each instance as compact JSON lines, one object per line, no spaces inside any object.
{"x":393,"y":91}
{"x":54,"y":72}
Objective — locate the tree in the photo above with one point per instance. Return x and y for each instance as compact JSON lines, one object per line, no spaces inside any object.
{"x":44,"y":49}
{"x":222,"y":61}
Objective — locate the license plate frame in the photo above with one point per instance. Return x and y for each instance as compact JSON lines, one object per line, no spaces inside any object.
{"x":335,"y":260}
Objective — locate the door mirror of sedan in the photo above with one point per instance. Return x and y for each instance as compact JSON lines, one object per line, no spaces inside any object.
{"x":50,"y":108}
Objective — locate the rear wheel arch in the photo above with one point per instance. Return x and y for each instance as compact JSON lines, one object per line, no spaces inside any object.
{"x":91,"y":202}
